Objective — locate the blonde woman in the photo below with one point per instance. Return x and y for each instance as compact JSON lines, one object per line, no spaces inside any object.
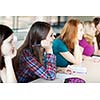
{"x":88,"y":42}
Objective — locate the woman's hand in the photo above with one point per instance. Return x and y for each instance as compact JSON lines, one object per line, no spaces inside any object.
{"x":10,"y":75}
{"x":66,"y":70}
{"x":11,"y":54}
{"x":47,"y":45}
{"x":78,"y":50}
{"x":14,"y":52}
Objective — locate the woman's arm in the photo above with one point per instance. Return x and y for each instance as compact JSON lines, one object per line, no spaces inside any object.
{"x":78,"y":53}
{"x":95,"y":45}
{"x":76,"y":58}
{"x":65,"y":70}
{"x":47,"y":72}
{"x":10,"y":75}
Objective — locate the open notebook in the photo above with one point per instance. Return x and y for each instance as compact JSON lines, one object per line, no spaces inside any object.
{"x":77,"y":70}
{"x":96,"y":56}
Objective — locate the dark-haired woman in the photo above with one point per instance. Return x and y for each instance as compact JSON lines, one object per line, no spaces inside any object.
{"x":35,"y":57}
{"x":7,"y":52}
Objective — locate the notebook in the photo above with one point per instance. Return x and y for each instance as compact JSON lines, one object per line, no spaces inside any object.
{"x":78,"y":69}
{"x":96,"y":56}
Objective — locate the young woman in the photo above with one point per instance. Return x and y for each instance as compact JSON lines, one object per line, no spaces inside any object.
{"x":7,"y":52}
{"x":35,"y":57}
{"x":66,"y":46}
{"x":89,"y":42}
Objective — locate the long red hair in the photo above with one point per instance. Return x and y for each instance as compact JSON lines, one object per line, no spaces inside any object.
{"x":69,"y":33}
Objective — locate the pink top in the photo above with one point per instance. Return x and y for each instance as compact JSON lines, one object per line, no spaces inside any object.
{"x":88,"y":49}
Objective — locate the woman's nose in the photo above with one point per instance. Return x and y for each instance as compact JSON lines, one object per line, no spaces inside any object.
{"x":15,"y":39}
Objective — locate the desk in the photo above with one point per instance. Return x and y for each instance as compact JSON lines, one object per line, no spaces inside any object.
{"x":92,"y":76}
{"x":47,"y":81}
{"x":93,"y":71}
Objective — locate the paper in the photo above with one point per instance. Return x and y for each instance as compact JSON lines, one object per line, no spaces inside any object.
{"x":63,"y":76}
{"x":96,"y":57}
{"x":78,"y":69}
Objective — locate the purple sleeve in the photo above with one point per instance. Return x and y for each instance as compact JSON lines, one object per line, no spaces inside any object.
{"x":88,"y":49}
{"x":83,"y":43}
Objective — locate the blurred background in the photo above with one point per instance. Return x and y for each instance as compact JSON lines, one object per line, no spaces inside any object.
{"x":21,"y":24}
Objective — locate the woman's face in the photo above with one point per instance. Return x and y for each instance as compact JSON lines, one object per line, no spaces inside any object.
{"x":8,"y":46}
{"x":50,"y":35}
{"x":80,"y":32}
{"x":93,"y":29}
{"x":98,"y":27}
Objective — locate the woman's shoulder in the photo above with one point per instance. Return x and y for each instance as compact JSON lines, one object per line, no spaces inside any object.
{"x":83,"y":40}
{"x":59,"y":45}
{"x":58,"y":41}
{"x":83,"y":43}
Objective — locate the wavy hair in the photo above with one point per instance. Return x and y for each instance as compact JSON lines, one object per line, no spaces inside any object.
{"x":69,"y":33}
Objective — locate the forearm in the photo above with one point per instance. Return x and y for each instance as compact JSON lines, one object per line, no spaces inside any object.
{"x":78,"y":53}
{"x":95,"y":45}
{"x":60,"y":70}
{"x":10,"y":75}
{"x":50,"y":70}
{"x":65,"y":70}
{"x":46,"y":71}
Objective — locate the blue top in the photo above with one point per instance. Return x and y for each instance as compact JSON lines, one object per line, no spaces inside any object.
{"x":59,"y":46}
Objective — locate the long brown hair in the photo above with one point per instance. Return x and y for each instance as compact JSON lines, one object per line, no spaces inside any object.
{"x":37,"y":32}
{"x":69,"y":33}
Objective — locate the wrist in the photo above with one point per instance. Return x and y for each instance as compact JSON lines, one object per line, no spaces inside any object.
{"x":7,"y":57}
{"x":49,"y":51}
{"x":8,"y":61}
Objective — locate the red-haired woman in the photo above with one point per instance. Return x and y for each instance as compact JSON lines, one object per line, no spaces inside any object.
{"x":66,"y":46}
